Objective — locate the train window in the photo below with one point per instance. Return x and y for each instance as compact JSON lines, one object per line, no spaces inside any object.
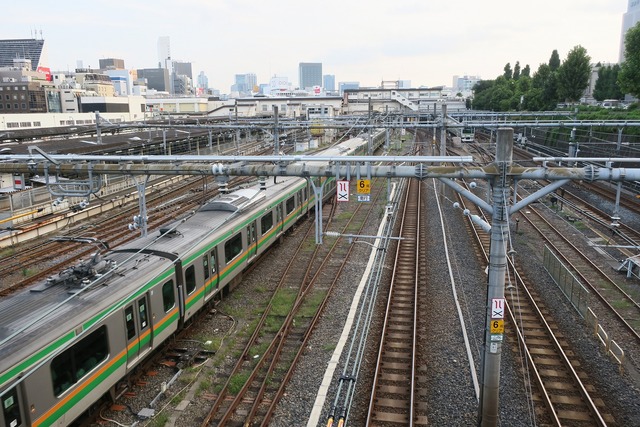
{"x":168,"y":296}
{"x":213,"y":262}
{"x":266,"y":222}
{"x":72,"y":364}
{"x":190,"y":279}
{"x":205,"y":266}
{"x":11,"y":409}
{"x":232,"y":247}
{"x":142,"y":312}
{"x":291,"y":204}
{"x":130,"y":321}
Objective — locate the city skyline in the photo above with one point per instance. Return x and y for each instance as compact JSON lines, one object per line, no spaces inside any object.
{"x":422,"y":42}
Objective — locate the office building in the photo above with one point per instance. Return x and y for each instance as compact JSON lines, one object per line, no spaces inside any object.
{"x":329,"y":82}
{"x":157,"y":78}
{"x":111,"y":64}
{"x":164,"y":52}
{"x":182,"y":69}
{"x":464,"y":84}
{"x":244,"y":83}
{"x":310,"y":74}
{"x":202,"y":83}
{"x":629,"y":19}
{"x":348,"y":86}
{"x":31,"y":49}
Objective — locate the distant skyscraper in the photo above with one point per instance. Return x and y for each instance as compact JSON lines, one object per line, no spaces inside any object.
{"x":164,"y":52}
{"x":329,"y":82}
{"x":245,"y":83}
{"x":310,"y":74}
{"x":182,"y":69}
{"x":629,"y":19}
{"x":32,"y":49}
{"x":157,"y":78}
{"x":203,"y":83}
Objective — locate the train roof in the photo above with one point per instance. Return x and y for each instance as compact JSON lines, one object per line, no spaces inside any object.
{"x":37,"y":317}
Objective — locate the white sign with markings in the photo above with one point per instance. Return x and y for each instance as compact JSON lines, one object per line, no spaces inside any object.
{"x":342,"y":191}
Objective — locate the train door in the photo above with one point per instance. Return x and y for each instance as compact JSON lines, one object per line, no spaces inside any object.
{"x":210,"y":265}
{"x":11,"y":409}
{"x":252,"y":241}
{"x":138,"y":330}
{"x":279,"y":217}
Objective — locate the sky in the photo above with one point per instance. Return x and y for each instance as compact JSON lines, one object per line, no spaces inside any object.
{"x":424,"y":41}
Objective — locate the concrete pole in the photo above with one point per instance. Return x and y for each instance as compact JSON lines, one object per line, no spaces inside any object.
{"x":276,"y":132}
{"x":443,"y":135}
{"x":495,"y":309}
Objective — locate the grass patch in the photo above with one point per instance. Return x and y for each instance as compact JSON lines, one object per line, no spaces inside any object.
{"x":7,"y":252}
{"x":329,"y":347}
{"x":237,"y":382}
{"x":344,"y":216}
{"x":311,"y":304}
{"x":26,"y":272}
{"x":203,"y":386}
{"x":261,"y":289}
{"x":159,"y":420}
{"x":259,"y":349}
{"x":283,"y":301}
{"x":273,"y":324}
{"x":177,"y":398}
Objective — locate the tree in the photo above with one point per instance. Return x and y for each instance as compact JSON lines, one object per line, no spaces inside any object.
{"x":629,"y":76}
{"x":526,"y":71}
{"x":607,"y":83}
{"x":554,"y":61}
{"x":516,"y":71}
{"x":545,"y":87}
{"x":508,"y":73}
{"x":573,"y":74}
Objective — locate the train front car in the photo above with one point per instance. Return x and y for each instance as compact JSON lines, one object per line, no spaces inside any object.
{"x":66,"y":342}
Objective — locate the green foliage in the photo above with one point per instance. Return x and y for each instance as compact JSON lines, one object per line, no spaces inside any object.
{"x":573,"y":74}
{"x":516,"y":71}
{"x":551,"y":83}
{"x":237,"y":382}
{"x":508,"y":73}
{"x":607,"y":83}
{"x":554,"y":61}
{"x":629,"y":76}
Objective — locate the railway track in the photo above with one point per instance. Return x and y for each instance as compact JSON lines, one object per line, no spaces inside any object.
{"x":398,"y":381}
{"x":285,"y":326}
{"x":618,"y":301}
{"x":50,"y":256}
{"x":561,"y":386}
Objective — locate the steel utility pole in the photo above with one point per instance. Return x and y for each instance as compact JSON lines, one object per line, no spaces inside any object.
{"x":495,"y":306}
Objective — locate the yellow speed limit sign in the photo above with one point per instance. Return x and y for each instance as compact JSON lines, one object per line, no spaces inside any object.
{"x":364,"y":186}
{"x":497,"y":326}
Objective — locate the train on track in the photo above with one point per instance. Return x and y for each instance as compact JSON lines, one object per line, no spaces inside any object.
{"x":71,"y":341}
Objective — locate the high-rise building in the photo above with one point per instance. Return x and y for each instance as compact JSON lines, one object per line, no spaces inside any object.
{"x":32,"y":49}
{"x":203,"y":83}
{"x":182,"y":69}
{"x":629,"y":19}
{"x":244,"y":83}
{"x":310,"y":74}
{"x":329,"y":82}
{"x":164,"y":52}
{"x":157,"y":78}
